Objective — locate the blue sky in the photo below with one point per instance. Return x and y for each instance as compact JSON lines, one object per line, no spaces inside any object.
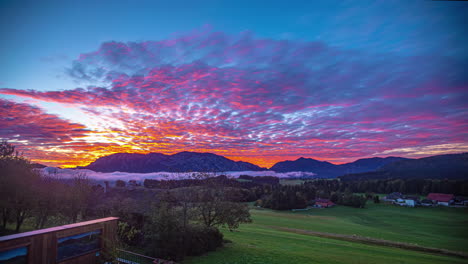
{"x":40,"y":38}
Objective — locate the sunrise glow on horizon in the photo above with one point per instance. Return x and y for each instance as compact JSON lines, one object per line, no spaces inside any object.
{"x":262,"y":90}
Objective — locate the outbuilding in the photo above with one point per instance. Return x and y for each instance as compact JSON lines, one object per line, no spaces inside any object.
{"x":441,"y":198}
{"x":323,"y":203}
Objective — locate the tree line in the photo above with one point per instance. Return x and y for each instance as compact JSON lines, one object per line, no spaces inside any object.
{"x":25,"y":194}
{"x":198,"y":179}
{"x":287,"y":197}
{"x":406,"y":186}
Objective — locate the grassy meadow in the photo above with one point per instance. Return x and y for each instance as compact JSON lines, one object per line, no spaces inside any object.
{"x":262,"y":242}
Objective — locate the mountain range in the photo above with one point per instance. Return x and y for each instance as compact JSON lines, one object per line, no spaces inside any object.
{"x":180,"y":162}
{"x":194,"y":161}
{"x":324,"y":169}
{"x":442,"y":166}
{"x":448,"y":166}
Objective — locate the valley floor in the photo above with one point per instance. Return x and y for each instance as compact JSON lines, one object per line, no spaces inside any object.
{"x":267,"y":241}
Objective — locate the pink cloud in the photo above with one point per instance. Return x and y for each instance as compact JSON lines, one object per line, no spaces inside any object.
{"x":243,"y":96}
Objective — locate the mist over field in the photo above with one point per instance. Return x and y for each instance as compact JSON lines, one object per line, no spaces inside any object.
{"x":140,"y":177}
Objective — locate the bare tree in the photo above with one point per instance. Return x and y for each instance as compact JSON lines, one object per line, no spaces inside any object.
{"x":17,"y":181}
{"x":76,"y":198}
{"x":217,"y":203}
{"x":47,"y":199}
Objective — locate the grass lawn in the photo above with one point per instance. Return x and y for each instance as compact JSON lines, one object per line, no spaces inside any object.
{"x":439,"y":227}
{"x":258,"y":243}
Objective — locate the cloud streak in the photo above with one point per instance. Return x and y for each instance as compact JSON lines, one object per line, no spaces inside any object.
{"x":262,"y":100}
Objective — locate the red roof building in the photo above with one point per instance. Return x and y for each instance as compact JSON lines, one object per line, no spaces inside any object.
{"x":324,"y":203}
{"x":440,"y":197}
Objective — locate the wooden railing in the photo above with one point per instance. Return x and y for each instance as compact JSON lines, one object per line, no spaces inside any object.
{"x":127,"y":257}
{"x":52,"y":245}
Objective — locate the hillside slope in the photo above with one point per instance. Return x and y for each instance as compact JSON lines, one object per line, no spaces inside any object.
{"x":449,"y":166}
{"x":325,"y":169}
{"x":180,"y":162}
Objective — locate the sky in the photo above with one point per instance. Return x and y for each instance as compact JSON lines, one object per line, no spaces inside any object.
{"x":257,"y":81}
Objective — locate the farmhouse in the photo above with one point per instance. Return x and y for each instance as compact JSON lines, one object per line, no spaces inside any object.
{"x":402,"y":200}
{"x":441,"y":198}
{"x":393,"y":197}
{"x":410,"y":202}
{"x":323,"y":203}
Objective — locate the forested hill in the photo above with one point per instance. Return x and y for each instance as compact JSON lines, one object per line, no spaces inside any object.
{"x":325,"y":169}
{"x":449,"y":166}
{"x":180,"y":162}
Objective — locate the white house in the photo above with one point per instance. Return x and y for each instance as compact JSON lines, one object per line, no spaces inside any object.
{"x":410,"y":202}
{"x":405,"y":202}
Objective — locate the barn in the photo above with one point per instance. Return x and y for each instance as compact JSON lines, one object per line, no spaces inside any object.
{"x":441,"y":198}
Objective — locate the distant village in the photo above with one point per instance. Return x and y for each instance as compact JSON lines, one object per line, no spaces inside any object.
{"x":432,"y":199}
{"x":396,"y":198}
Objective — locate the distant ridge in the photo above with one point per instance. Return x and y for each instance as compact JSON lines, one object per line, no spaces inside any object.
{"x":37,"y":165}
{"x":325,"y":169}
{"x":448,"y":166}
{"x":157,"y":162}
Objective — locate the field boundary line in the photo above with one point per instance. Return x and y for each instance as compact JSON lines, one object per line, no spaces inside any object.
{"x":374,"y":241}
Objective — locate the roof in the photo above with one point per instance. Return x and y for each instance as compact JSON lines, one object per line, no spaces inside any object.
{"x":324,"y":202}
{"x":440,"y":197}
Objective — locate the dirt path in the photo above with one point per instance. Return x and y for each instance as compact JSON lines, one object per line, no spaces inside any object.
{"x":373,"y":241}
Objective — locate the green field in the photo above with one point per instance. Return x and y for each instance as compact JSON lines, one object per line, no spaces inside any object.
{"x":260,"y":242}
